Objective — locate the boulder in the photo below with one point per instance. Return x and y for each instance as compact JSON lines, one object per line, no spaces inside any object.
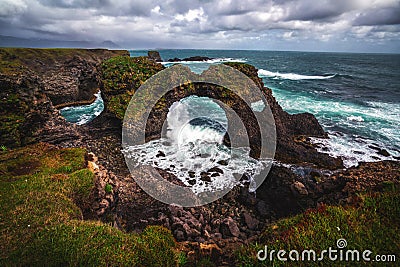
{"x":298,"y":188}
{"x":251,"y":222}
{"x":154,"y":55}
{"x":229,"y":228}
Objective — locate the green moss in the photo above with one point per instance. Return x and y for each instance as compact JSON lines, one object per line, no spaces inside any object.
{"x":121,"y":77}
{"x":108,"y":188}
{"x":373,"y":225}
{"x":41,"y":223}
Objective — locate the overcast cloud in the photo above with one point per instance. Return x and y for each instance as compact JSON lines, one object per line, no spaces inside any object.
{"x":323,"y":25}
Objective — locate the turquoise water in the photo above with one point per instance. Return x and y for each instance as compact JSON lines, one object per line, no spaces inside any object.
{"x":85,"y":113}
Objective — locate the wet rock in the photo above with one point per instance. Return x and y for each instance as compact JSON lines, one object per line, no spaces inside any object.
{"x":299,"y":188}
{"x":223,"y":162}
{"x":160,"y":154}
{"x":175,"y":59}
{"x":197,"y":58}
{"x":205,"y":177}
{"x":384,"y":153}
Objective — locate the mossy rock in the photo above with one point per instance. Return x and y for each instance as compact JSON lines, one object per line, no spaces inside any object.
{"x":121,"y":77}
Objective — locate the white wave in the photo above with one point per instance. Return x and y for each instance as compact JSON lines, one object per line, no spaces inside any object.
{"x":258,"y":106}
{"x":352,"y":149}
{"x":210,"y":61}
{"x":377,"y":122}
{"x":292,"y":76}
{"x":355,"y":118}
{"x":181,"y":132}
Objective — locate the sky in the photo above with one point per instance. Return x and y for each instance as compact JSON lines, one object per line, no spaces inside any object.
{"x":304,"y":25}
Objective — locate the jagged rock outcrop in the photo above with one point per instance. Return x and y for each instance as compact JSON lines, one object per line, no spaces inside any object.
{"x":154,"y":55}
{"x":121,"y":77}
{"x":195,"y":58}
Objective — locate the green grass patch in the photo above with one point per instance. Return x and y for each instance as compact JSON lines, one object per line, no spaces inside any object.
{"x":121,"y":77}
{"x":41,"y":223}
{"x":373,"y":225}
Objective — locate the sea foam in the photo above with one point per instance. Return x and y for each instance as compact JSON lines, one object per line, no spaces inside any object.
{"x":292,"y":76}
{"x":193,"y":145}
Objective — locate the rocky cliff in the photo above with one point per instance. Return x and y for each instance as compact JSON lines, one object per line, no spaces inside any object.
{"x":34,"y":81}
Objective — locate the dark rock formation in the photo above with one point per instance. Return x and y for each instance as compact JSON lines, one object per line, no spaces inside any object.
{"x":175,"y":59}
{"x":121,"y":77}
{"x":154,"y":55}
{"x":33,"y":81}
{"x":195,"y":58}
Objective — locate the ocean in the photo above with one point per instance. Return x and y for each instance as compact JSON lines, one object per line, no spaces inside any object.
{"x":355,"y":97}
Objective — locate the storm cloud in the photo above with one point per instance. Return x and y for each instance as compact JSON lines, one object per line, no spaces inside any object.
{"x":326,"y":25}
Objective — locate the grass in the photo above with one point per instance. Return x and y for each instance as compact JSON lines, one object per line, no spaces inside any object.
{"x":41,"y":189}
{"x":12,"y":108}
{"x":374,"y":225}
{"x":108,"y":188}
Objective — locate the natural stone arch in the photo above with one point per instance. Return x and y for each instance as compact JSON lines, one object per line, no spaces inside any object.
{"x":142,"y":123}
{"x":224,"y":98}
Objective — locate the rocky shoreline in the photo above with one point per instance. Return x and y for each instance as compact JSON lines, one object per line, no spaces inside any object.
{"x":302,"y":178}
